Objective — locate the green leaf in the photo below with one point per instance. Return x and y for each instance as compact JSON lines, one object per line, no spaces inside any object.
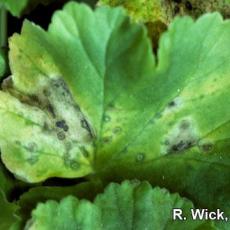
{"x":29,"y":200}
{"x":204,"y":179}
{"x":2,"y":64}
{"x":6,"y":182}
{"x":39,"y":69}
{"x":126,"y":206}
{"x":16,"y":7}
{"x":8,"y":218}
{"x":134,"y":111}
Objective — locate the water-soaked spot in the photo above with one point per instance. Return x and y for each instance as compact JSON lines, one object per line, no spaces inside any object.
{"x":33,"y":159}
{"x":117,"y":130}
{"x":107,"y":139}
{"x":74,"y":165}
{"x":206,"y":147}
{"x":61,"y":135}
{"x":106,"y":118}
{"x":184,"y":124}
{"x":32,"y":147}
{"x":84,"y":152}
{"x":140,"y":157}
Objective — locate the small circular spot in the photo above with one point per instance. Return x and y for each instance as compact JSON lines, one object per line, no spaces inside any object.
{"x":140,"y":157}
{"x":107,"y":118}
{"x":207,"y":147}
{"x":117,"y":130}
{"x":107,"y":139}
{"x":74,"y":165}
{"x":166,"y":142}
{"x":61,"y":136}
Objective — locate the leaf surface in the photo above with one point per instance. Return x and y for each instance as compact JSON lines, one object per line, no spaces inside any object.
{"x":8,"y":218}
{"x":16,"y":8}
{"x":2,"y":64}
{"x":126,"y":206}
{"x":130,"y":109}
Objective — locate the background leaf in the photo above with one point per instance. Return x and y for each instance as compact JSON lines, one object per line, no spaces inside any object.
{"x":8,"y":218}
{"x":16,"y":8}
{"x":2,"y":64}
{"x":126,"y":206}
{"x":29,"y":200}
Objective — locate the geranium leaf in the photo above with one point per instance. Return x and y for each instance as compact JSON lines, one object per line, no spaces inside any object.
{"x":2,"y":64}
{"x":17,"y":8}
{"x":45,"y":87}
{"x":126,"y":206}
{"x":8,"y":218}
{"x":131,"y":110}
